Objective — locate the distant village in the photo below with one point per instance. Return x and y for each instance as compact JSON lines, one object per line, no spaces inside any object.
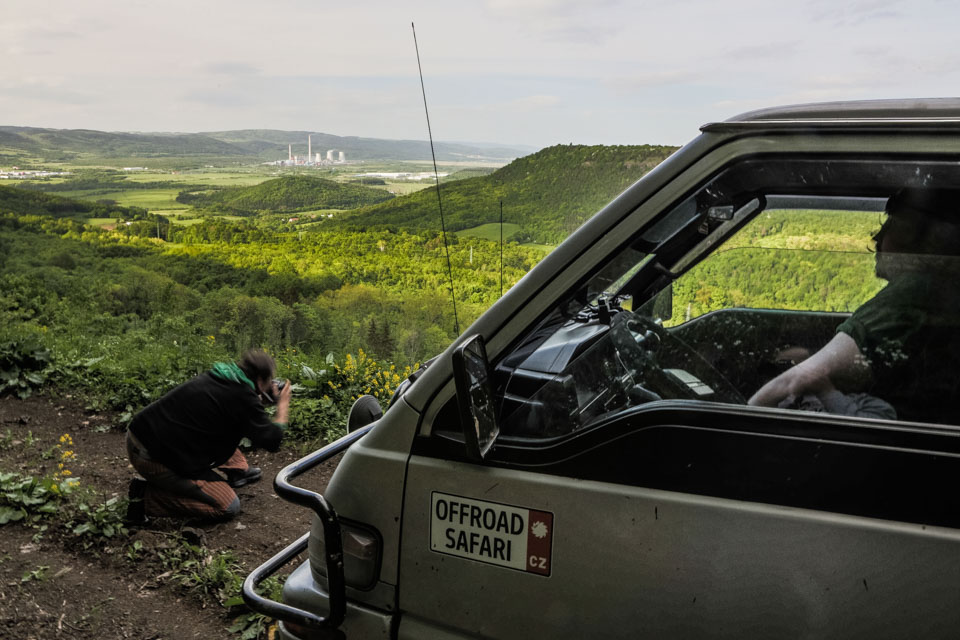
{"x":17,"y":174}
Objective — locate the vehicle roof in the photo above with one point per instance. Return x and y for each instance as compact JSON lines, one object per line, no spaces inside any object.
{"x":908,"y":113}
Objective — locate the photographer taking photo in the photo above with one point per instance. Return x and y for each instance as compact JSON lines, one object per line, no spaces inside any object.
{"x":178,"y":442}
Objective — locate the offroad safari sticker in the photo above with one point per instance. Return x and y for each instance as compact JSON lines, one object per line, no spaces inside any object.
{"x":492,"y":533}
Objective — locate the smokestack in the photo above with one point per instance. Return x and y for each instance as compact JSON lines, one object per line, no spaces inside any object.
{"x":309,"y":147}
{"x":290,"y":152}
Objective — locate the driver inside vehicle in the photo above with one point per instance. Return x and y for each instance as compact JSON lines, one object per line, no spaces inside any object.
{"x":902,"y":345}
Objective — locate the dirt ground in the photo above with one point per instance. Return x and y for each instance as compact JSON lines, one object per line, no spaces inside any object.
{"x":102,"y":594}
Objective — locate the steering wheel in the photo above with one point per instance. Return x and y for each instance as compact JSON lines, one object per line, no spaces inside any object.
{"x":670,"y":368}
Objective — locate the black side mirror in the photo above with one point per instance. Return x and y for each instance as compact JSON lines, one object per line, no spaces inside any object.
{"x":471,"y":371}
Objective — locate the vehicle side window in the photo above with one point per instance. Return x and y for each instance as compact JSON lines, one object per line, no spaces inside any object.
{"x":800,"y":260}
{"x":800,"y":300}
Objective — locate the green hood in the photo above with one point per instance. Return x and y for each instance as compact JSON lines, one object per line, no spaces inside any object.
{"x":230,"y":372}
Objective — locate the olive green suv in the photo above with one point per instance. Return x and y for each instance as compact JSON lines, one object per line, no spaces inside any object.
{"x":727,"y":406}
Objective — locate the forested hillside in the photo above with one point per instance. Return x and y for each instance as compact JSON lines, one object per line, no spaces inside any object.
{"x":549,"y":193}
{"x":61,"y":145}
{"x":285,"y":195}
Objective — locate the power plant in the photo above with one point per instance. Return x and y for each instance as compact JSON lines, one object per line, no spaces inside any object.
{"x":333,"y":156}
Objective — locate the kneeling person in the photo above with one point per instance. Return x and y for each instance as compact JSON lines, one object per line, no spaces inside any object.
{"x":178,"y":441}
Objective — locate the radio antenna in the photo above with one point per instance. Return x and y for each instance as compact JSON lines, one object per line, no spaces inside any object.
{"x":501,"y":248}
{"x":436,"y":175}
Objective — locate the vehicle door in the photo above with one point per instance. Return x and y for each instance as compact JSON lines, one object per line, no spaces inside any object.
{"x":632,"y":493}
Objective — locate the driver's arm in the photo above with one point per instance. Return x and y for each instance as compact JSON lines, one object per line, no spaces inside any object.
{"x":839,"y":358}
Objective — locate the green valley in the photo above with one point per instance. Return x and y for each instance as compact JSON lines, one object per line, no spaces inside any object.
{"x":142,"y":279}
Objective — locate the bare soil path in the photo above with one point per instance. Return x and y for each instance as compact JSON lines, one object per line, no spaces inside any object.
{"x":103,"y":593}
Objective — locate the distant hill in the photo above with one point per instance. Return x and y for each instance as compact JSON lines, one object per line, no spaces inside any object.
{"x":250,"y":145}
{"x":272,"y":145}
{"x":549,"y":193}
{"x":71,"y":144}
{"x":286,"y":195}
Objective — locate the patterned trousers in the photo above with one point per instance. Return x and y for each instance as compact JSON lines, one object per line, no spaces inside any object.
{"x":208,"y":497}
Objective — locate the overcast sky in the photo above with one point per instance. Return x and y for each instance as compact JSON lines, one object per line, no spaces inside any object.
{"x":531,"y":72}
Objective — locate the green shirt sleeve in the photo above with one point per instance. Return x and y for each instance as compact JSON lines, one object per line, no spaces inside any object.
{"x":886,"y":321}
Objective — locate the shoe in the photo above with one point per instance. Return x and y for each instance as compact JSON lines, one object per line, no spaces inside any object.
{"x":136,"y":515}
{"x":237,"y":479}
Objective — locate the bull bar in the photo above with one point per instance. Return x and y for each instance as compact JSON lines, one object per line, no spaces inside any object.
{"x":332,"y":538}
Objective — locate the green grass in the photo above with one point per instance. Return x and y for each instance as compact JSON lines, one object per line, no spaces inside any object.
{"x":100,"y":222}
{"x":150,"y":199}
{"x":491,"y":231}
{"x":211,"y":177}
{"x":542,"y":247}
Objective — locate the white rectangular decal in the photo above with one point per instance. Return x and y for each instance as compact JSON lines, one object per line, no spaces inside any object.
{"x":490,"y":532}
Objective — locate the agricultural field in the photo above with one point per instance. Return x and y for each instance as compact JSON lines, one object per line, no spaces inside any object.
{"x":154,"y":200}
{"x":210,"y":177}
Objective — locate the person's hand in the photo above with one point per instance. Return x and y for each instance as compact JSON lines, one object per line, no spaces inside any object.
{"x":796,"y":381}
{"x":284,"y":394}
{"x":283,"y":401}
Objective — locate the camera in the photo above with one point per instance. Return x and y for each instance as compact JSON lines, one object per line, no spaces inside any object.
{"x":267,"y":396}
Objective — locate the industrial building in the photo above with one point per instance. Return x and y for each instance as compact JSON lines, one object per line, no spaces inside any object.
{"x":333,"y":156}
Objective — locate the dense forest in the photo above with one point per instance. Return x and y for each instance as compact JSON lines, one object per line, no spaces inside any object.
{"x":285,"y":195}
{"x":105,"y":181}
{"x":27,"y":202}
{"x":549,"y":193}
{"x":123,"y":316}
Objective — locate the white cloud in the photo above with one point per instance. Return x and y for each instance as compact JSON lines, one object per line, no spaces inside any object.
{"x":521,"y":71}
{"x":534,"y":103}
{"x":643,"y":81}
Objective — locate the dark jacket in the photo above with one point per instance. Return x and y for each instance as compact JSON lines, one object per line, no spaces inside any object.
{"x":198,"y":425}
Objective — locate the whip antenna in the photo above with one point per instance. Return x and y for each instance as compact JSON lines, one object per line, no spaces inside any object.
{"x":501,"y":248}
{"x":436,"y":175}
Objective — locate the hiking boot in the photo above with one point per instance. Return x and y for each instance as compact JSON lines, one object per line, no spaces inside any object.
{"x":237,"y":479}
{"x":136,"y":515}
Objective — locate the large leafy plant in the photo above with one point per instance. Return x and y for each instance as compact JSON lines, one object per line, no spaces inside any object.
{"x":23,"y":367}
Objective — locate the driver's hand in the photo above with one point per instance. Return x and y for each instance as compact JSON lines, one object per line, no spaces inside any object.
{"x":796,"y":381}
